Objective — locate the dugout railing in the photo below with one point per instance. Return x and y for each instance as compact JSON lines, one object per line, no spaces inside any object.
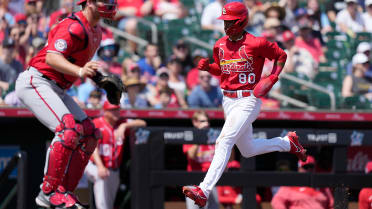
{"x":19,"y":160}
{"x":149,"y":176}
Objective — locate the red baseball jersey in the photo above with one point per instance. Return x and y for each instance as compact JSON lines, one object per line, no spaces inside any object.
{"x":73,"y":38}
{"x":365,"y":198}
{"x":241,"y":61}
{"x":203,"y":158}
{"x":110,"y":149}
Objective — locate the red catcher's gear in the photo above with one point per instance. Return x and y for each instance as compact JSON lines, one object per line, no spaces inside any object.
{"x":80,"y":156}
{"x":235,"y":11}
{"x":65,"y":142}
{"x":107,"y":9}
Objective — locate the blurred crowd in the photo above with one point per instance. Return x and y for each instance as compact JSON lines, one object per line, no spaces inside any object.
{"x":153,"y":80}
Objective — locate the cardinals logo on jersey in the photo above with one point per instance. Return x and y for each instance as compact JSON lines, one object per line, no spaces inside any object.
{"x":241,"y":65}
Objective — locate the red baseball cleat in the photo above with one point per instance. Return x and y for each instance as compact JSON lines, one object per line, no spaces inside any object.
{"x":296,"y":147}
{"x":196,"y":194}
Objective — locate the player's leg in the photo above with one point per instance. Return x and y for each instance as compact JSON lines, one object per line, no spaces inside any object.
{"x":112,"y":187}
{"x":43,"y":98}
{"x":250,"y":147}
{"x":213,"y":202}
{"x":86,"y":145}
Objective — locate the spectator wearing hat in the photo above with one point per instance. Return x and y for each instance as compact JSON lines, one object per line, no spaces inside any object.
{"x":103,"y":168}
{"x":367,"y":15}
{"x":94,"y":99}
{"x":306,"y":40}
{"x":161,"y":84}
{"x":10,"y":68}
{"x":275,"y":11}
{"x":176,"y":79}
{"x":357,"y":83}
{"x":298,"y":59}
{"x":271,"y":29}
{"x":107,"y":53}
{"x":131,"y":69}
{"x":365,"y":195}
{"x":205,"y":95}
{"x":364,"y":48}
{"x":133,"y":96}
{"x":150,"y":62}
{"x":210,"y":14}
{"x":349,"y":20}
{"x":303,"y":197}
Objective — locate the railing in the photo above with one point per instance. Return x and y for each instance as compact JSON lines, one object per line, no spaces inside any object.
{"x":149,"y":176}
{"x":313,"y":86}
{"x":20,"y":188}
{"x":291,"y":100}
{"x":198,"y":42}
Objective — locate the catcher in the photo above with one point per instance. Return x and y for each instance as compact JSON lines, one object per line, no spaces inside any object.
{"x":42,"y":88}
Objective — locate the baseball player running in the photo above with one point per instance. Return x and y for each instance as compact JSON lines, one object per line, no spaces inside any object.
{"x":239,"y":58}
{"x":42,"y":88}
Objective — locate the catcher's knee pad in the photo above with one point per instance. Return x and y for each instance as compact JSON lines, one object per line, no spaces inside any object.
{"x":59,"y":153}
{"x":89,"y":129}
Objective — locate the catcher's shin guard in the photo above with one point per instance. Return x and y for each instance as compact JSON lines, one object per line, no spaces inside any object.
{"x":80,"y":157}
{"x":59,"y":153}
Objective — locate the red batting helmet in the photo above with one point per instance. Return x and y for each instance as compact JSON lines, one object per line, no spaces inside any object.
{"x":105,"y":10}
{"x":235,"y":11}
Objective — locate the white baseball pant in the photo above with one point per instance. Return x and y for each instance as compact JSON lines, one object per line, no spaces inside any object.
{"x":104,"y":189}
{"x":240,"y":113}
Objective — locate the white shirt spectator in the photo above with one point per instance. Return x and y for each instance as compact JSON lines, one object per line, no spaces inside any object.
{"x":367,"y":18}
{"x":210,"y":14}
{"x":356,"y":25}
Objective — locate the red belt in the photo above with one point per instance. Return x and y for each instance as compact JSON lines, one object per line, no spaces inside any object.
{"x":234,"y":94}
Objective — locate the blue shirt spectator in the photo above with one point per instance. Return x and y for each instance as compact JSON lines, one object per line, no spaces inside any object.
{"x":84,"y":90}
{"x":149,"y":63}
{"x":205,"y":95}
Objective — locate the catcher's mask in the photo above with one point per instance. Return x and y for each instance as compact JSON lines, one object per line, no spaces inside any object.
{"x":238,"y":12}
{"x":106,"y":8}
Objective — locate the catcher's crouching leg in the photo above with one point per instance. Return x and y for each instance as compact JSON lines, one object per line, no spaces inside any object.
{"x":80,"y":157}
{"x":67,"y":137}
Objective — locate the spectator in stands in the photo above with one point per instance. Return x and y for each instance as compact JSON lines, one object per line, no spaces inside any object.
{"x":307,"y":41}
{"x":128,"y":11}
{"x":192,"y":78}
{"x":275,"y":11}
{"x":9,"y":67}
{"x":303,"y":197}
{"x":199,"y":158}
{"x":205,"y":95}
{"x":107,"y":54}
{"x":367,"y":16}
{"x":65,"y":10}
{"x":350,"y":20}
{"x":94,"y":99}
{"x":164,"y":100}
{"x":290,"y":7}
{"x":131,"y":69}
{"x":182,"y":52}
{"x":256,"y":16}
{"x":133,"y":96}
{"x":84,"y":90}
{"x":298,"y":59}
{"x":150,"y":62}
{"x":153,"y":93}
{"x":364,"y":48}
{"x":210,"y":14}
{"x":20,"y":49}
{"x":169,"y":9}
{"x":103,"y":168}
{"x":5,"y":14}
{"x":332,"y":7}
{"x":37,"y":44}
{"x":365,"y":195}
{"x":318,"y":18}
{"x":271,"y":29}
{"x":357,"y":83}
{"x":176,"y":79}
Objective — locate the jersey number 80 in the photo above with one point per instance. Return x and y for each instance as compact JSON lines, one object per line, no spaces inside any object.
{"x":244,"y":78}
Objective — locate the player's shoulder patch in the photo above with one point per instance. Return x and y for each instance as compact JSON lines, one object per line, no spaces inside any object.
{"x":76,"y":30}
{"x":60,"y":45}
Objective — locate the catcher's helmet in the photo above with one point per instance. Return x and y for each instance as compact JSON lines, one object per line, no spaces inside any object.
{"x":235,"y":11}
{"x":107,"y":9}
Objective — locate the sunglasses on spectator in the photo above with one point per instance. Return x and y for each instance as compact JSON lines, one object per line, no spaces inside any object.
{"x":205,"y":76}
{"x":203,"y":121}
{"x":308,"y":166}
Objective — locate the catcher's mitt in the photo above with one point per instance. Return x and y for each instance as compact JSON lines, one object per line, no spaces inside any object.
{"x":112,"y":84}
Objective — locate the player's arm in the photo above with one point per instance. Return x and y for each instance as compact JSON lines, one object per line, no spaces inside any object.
{"x":120,"y":131}
{"x":271,"y":51}
{"x":213,"y":68}
{"x":192,"y":151}
{"x":103,"y":172}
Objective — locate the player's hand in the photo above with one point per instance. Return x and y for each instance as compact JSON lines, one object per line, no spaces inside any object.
{"x":264,"y":86}
{"x":89,"y":69}
{"x":203,"y":64}
{"x":103,"y":172}
{"x":120,"y":131}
